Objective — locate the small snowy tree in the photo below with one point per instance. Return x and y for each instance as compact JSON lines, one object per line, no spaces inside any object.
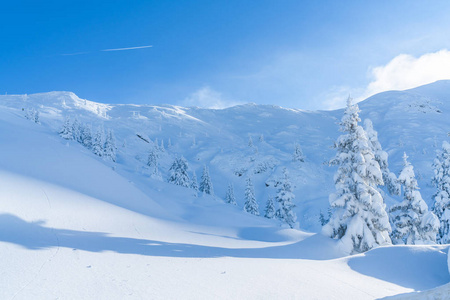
{"x":298,"y":154}
{"x":359,"y":218}
{"x":178,"y":172}
{"x":389,"y":178}
{"x":162,"y":146}
{"x":412,"y":223}
{"x":250,"y":206}
{"x":66,"y":131}
{"x":284,"y":198}
{"x":98,"y":142}
{"x":110,"y":146}
{"x":76,"y":130}
{"x":194,"y":184}
{"x":205,"y":183}
{"x":153,"y":164}
{"x":441,"y":180}
{"x":229,"y":197}
{"x":261,"y":138}
{"x":270,"y":208}
{"x":86,"y":136}
{"x":250,"y":141}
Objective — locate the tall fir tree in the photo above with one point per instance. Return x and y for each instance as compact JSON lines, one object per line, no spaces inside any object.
{"x":250,"y":206}
{"x":206,"y":185}
{"x":86,"y":136}
{"x":284,"y":198}
{"x":76,"y":130}
{"x":298,"y":153}
{"x":152,"y":163}
{"x":359,"y":218}
{"x":194,"y":184}
{"x":179,"y":172}
{"x":389,"y":178}
{"x":229,"y":197}
{"x":441,"y":180}
{"x":110,"y":148}
{"x":66,"y":131}
{"x":411,"y":221}
{"x":98,"y":142}
{"x":269,"y":212}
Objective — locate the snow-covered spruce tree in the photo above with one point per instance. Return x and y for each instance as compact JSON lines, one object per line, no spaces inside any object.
{"x":411,"y":221}
{"x":250,"y":206}
{"x":359,"y":218}
{"x":389,"y":178}
{"x":110,"y":146}
{"x":98,"y":142}
{"x":298,"y":153}
{"x":178,"y":172}
{"x":229,"y":197}
{"x":162,"y":146}
{"x":284,"y":198}
{"x":194,"y":184}
{"x":66,"y":130}
{"x":250,"y":141}
{"x":86,"y":136}
{"x":206,"y":186}
{"x":441,"y":180}
{"x":270,"y":208}
{"x":76,"y":130}
{"x":152,"y":163}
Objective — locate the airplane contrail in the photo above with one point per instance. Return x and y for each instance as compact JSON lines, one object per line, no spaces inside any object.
{"x":115,"y":49}
{"x":130,"y":48}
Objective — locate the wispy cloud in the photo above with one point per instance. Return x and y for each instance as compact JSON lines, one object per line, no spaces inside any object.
{"x":206,"y":97}
{"x":130,"y":48}
{"x":107,"y":50}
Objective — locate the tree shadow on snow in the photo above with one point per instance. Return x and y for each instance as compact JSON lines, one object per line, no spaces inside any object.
{"x":35,"y":235}
{"x":416,"y":267}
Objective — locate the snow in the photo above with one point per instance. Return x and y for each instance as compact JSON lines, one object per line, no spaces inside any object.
{"x":76,"y":226}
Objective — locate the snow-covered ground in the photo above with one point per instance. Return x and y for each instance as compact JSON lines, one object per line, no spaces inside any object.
{"x":75,"y":226}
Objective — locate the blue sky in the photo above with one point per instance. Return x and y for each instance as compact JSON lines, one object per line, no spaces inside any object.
{"x":302,"y":54}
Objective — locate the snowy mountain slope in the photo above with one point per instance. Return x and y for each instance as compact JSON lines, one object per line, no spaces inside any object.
{"x":76,"y":226}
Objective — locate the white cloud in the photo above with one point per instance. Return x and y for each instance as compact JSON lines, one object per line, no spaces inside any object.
{"x":405,"y":72}
{"x":401,"y":73}
{"x":206,"y":97}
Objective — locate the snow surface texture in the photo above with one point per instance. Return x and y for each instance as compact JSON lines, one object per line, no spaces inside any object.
{"x":76,"y":226}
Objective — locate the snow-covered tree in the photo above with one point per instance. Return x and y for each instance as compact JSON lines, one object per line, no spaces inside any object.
{"x":250,"y":141}
{"x":269,"y":212}
{"x":359,"y":218}
{"x":229,"y":197}
{"x":162,"y":146}
{"x":284,"y":198}
{"x":178,"y":172}
{"x":98,"y":142}
{"x":153,"y":164}
{"x":441,"y":180}
{"x":66,"y":131}
{"x":110,"y":146}
{"x":389,"y":178}
{"x":86,"y":136}
{"x":169,"y":144}
{"x":194,"y":184}
{"x":76,"y":130}
{"x":411,"y":221}
{"x":250,"y":206}
{"x":205,"y":183}
{"x":261,"y":138}
{"x":298,"y":154}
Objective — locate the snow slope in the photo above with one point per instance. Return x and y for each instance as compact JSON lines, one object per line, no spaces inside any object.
{"x":76,"y":226}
